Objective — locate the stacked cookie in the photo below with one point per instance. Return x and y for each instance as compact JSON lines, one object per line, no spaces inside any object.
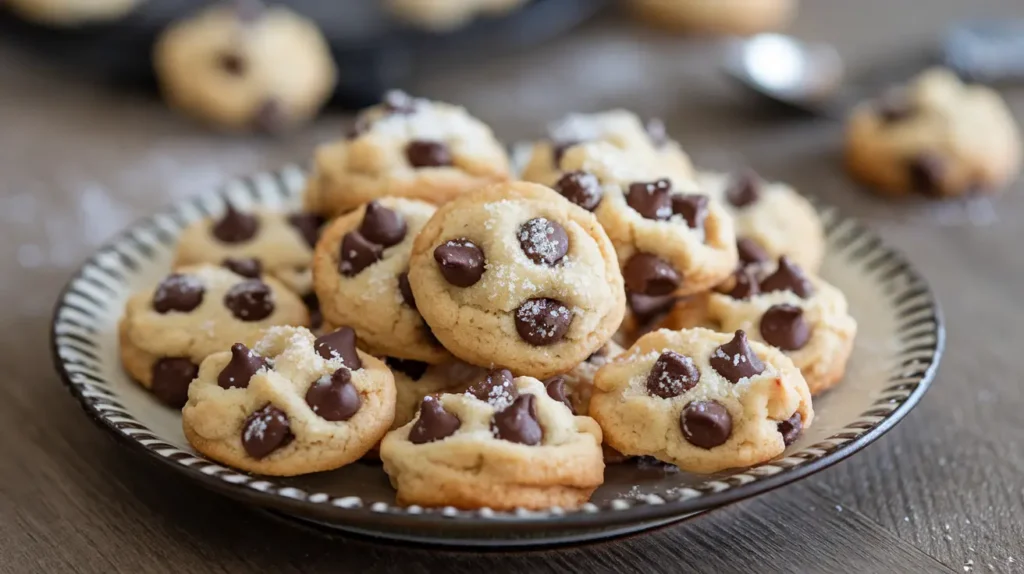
{"x":472,"y":323}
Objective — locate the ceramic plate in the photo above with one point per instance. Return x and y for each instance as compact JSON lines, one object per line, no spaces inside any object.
{"x":895,"y":357}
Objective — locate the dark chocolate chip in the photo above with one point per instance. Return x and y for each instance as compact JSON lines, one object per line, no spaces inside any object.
{"x":744,"y":284}
{"x":243,"y":365}
{"x":735,"y":360}
{"x":250,"y":300}
{"x":334,"y":398}
{"x":783,"y":326}
{"x":656,"y":131}
{"x":382,"y":226}
{"x":705,"y":424}
{"x":791,"y":428}
{"x":744,"y":188}
{"x":894,"y":107}
{"x":672,"y":375}
{"x":399,"y":102}
{"x":271,"y":117}
{"x":412,"y":369}
{"x":555,"y":386}
{"x":357,"y":253}
{"x":648,"y":274}
{"x":581,"y":188}
{"x":406,"y":290}
{"x":652,"y":200}
{"x":542,"y":321}
{"x":235,"y":226}
{"x":558,"y":149}
{"x":788,"y":277}
{"x":422,"y":153}
{"x":308,"y":225}
{"x":231,"y":62}
{"x":171,"y":377}
{"x":434,"y":423}
{"x":647,"y":308}
{"x":265,"y":431}
{"x":461,"y":261}
{"x":245,"y":266}
{"x":518,"y":422}
{"x":926,"y":171}
{"x":496,"y":387}
{"x":750,"y":252}
{"x":312,"y":302}
{"x":178,"y":292}
{"x":544,"y":241}
{"x":340,"y":344}
{"x":693,"y":208}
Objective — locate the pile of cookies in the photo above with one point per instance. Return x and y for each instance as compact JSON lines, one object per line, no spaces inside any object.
{"x":469,"y":328}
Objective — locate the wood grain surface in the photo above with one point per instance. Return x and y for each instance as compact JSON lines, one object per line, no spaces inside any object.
{"x":943,"y":492}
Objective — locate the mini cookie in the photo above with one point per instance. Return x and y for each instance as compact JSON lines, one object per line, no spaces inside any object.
{"x":516,"y":447}
{"x":405,"y":147}
{"x":244,"y":67}
{"x":647,"y":144}
{"x":293,"y":404}
{"x":743,"y":17}
{"x":574,"y":388}
{"x":361,"y":269}
{"x":166,"y":332}
{"x":936,"y":137}
{"x":71,"y":12}
{"x":415,"y":380}
{"x":515,"y":276}
{"x":701,"y":400}
{"x":448,"y":15}
{"x":771,"y":219}
{"x":670,"y":240}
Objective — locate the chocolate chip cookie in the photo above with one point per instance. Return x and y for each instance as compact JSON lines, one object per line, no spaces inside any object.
{"x":505,"y":444}
{"x":701,"y":400}
{"x":71,"y":12}
{"x":515,"y":276}
{"x":167,"y":331}
{"x":935,"y":137}
{"x":291,"y":404}
{"x":742,"y":17}
{"x":241,"y":66}
{"x":405,"y":147}
{"x":415,"y":380}
{"x":361,"y":272}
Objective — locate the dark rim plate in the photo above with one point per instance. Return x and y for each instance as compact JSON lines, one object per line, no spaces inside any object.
{"x":895,"y":359}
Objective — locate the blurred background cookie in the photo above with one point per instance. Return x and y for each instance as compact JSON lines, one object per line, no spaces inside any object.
{"x":715,"y":16}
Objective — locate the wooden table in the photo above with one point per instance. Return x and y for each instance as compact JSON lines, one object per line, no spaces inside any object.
{"x":944,"y":491}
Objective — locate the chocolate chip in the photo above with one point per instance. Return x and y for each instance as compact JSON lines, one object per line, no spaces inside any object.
{"x":744,"y":188}
{"x":735,"y":360}
{"x":308,"y":225}
{"x":581,"y":188}
{"x":178,"y":292}
{"x":791,"y":428}
{"x":334,"y":398}
{"x":750,"y":252}
{"x":692,"y":208}
{"x":434,"y":423}
{"x":406,"y":290}
{"x":544,"y":241}
{"x":558,"y":149}
{"x":245,"y":266}
{"x":647,"y":308}
{"x":312,"y":302}
{"x":171,"y":377}
{"x":265,"y":431}
{"x":745,"y":284}
{"x":422,"y":153}
{"x":555,"y":386}
{"x":399,"y":102}
{"x":382,"y":226}
{"x":496,"y":387}
{"x":235,"y":226}
{"x":894,"y":108}
{"x":357,"y":253}
{"x":542,"y":322}
{"x":461,"y":261}
{"x":243,"y":365}
{"x":788,"y":277}
{"x":926,"y":171}
{"x":705,"y":424}
{"x":340,"y":344}
{"x":655,"y":129}
{"x":231,"y":62}
{"x":783,"y":326}
{"x":412,"y":369}
{"x":648,"y":274}
{"x":672,"y":375}
{"x":652,"y":200}
{"x":271,"y":117}
{"x":518,"y":422}
{"x":250,"y":300}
